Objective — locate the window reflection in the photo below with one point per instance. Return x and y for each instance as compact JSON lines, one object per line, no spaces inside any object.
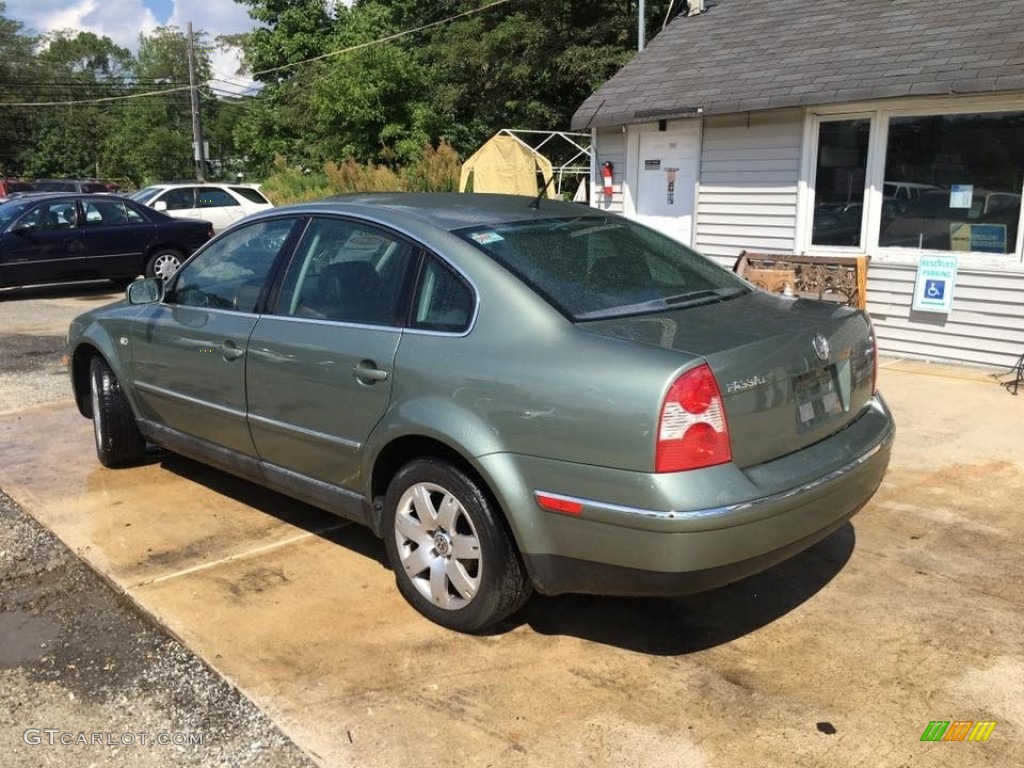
{"x":953,"y":182}
{"x":839,"y":182}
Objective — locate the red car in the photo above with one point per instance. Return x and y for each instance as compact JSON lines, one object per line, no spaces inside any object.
{"x":7,"y":186}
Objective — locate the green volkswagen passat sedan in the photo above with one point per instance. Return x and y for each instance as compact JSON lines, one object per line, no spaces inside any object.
{"x":513,"y":396}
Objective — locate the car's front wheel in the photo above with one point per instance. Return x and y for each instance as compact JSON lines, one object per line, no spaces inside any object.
{"x":118,"y":439}
{"x":453,"y":558}
{"x":163,"y":264}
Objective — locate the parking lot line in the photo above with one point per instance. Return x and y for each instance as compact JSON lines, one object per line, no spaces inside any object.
{"x":238,"y":556}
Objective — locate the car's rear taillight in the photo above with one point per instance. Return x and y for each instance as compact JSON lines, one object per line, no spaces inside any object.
{"x":692,"y":430}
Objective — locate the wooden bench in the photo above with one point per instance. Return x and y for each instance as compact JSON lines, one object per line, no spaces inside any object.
{"x":841,"y":279}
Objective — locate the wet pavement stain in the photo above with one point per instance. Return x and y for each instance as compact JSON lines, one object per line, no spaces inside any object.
{"x":25,"y":352}
{"x":25,"y":637}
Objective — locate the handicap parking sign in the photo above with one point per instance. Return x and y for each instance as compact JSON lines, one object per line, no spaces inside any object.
{"x":936,"y":280}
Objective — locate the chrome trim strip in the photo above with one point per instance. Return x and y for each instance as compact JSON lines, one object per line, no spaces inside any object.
{"x":701,"y":514}
{"x":326,"y":321}
{"x":211,"y":310}
{"x":171,"y":395}
{"x":281,"y":426}
{"x":66,"y":259}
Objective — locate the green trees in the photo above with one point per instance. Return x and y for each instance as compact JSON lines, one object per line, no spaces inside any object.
{"x":389,"y":77}
{"x":74,"y":104}
{"x":376,"y":82}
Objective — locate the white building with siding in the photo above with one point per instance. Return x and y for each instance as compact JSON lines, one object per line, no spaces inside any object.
{"x":893,"y":128}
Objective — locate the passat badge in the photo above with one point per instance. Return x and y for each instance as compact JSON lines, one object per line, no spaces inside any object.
{"x":821,"y":348}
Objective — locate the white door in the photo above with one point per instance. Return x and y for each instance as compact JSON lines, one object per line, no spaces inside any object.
{"x":667,"y":170}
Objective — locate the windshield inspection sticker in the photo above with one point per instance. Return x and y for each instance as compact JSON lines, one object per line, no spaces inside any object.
{"x":486,"y":238}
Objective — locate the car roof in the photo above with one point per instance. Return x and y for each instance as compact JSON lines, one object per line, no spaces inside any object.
{"x":194,"y":184}
{"x":36,"y":195}
{"x":447,"y":210}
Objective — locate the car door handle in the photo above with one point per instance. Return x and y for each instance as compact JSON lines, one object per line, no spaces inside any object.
{"x":367,"y":372}
{"x":230,"y":351}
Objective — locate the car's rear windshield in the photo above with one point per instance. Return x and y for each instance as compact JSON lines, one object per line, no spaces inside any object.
{"x":250,"y":194}
{"x":55,"y":185}
{"x":595,"y":266}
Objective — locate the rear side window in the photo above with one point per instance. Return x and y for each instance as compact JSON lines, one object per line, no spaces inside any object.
{"x":250,"y":194}
{"x":595,"y":266}
{"x":109,"y":213}
{"x":179,"y":199}
{"x":347,"y":271}
{"x":210,"y":197}
{"x":443,"y":302}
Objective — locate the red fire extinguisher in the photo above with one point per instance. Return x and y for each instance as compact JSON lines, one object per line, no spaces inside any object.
{"x":606,"y":178}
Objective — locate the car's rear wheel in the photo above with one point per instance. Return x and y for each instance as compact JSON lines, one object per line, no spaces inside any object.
{"x":163,"y":264}
{"x":453,"y":558}
{"x":118,"y":439}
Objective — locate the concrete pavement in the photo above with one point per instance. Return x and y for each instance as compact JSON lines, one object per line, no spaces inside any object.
{"x":839,"y":657}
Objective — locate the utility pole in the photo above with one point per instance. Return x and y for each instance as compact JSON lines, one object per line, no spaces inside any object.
{"x":640,"y":33}
{"x":197,"y":123}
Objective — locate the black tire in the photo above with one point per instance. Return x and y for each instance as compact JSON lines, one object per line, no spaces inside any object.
{"x":461,"y":516}
{"x":118,"y":440}
{"x":164,"y":263}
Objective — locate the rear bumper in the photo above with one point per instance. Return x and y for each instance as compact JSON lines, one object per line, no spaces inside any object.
{"x":556,"y":575}
{"x":766,"y":515}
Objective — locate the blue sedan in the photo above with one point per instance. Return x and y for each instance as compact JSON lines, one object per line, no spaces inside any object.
{"x":51,"y":238}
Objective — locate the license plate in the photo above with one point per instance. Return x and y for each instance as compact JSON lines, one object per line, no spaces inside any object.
{"x":817,"y":396}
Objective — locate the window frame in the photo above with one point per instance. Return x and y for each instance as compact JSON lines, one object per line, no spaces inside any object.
{"x":880,"y":116}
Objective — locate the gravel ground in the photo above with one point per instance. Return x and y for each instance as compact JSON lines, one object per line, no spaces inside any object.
{"x":33,"y":322}
{"x":78,"y":662}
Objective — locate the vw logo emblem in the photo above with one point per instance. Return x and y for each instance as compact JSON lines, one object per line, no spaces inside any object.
{"x":821,"y":348}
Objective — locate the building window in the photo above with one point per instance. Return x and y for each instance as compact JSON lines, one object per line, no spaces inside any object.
{"x":839,"y":182}
{"x":953,"y":182}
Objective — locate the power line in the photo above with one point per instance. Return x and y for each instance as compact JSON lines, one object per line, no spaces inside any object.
{"x":386,"y":39}
{"x":321,"y":57}
{"x":92,"y":101}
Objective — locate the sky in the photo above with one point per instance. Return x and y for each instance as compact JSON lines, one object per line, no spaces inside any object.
{"x":123,"y":20}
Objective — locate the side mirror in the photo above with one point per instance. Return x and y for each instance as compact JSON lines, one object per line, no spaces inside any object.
{"x":160,"y":205}
{"x":22,"y":226}
{"x":148,"y":291}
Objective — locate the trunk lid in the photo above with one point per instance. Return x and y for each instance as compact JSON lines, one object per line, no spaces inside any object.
{"x":791,"y":372}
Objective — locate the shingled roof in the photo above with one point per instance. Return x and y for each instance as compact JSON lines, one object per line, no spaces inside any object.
{"x":745,"y":55}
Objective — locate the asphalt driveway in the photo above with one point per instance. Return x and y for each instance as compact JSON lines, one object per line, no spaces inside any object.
{"x":840,"y":657}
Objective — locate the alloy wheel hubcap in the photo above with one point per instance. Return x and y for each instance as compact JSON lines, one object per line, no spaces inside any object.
{"x":438,"y":546}
{"x":166,"y":266}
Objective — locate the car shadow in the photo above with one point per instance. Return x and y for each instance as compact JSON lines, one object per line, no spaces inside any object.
{"x":328,"y":526}
{"x":682,"y":625}
{"x":656,"y":626}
